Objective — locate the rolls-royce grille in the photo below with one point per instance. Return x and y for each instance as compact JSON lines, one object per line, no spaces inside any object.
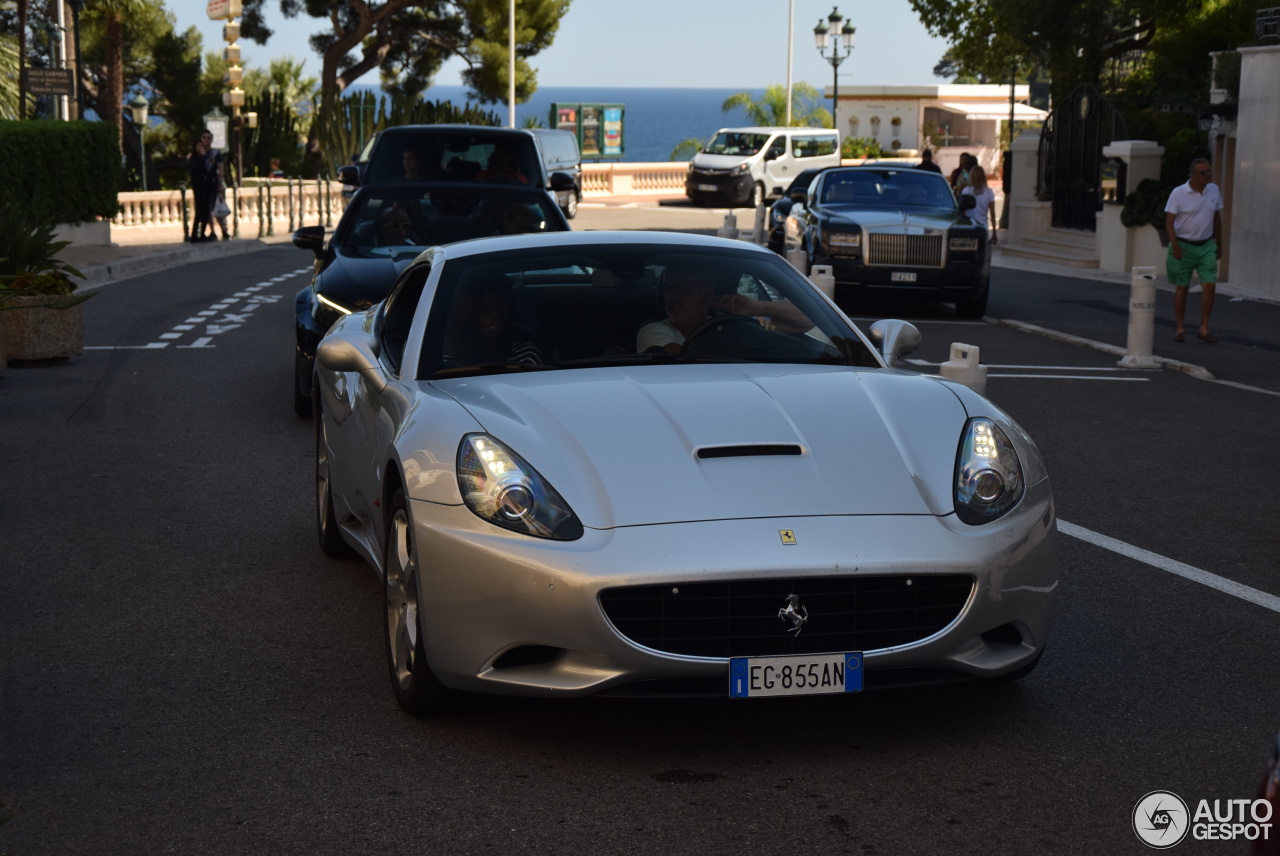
{"x":905,"y":250}
{"x":740,"y":618}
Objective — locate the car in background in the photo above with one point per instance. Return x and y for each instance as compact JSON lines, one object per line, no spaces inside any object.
{"x":380,"y":232}
{"x":563,"y":164}
{"x":746,"y":166}
{"x":779,"y":210}
{"x":446,"y":153}
{"x":557,"y":507}
{"x":893,"y":229}
{"x":1269,"y":790}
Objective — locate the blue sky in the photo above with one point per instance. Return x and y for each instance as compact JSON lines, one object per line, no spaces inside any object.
{"x":662,"y":43}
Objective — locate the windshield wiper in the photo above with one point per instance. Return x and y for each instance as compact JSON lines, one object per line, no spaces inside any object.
{"x":644,"y":359}
{"x":490,"y":368}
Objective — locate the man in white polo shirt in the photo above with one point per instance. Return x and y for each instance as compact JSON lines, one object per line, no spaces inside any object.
{"x":1193,"y":220}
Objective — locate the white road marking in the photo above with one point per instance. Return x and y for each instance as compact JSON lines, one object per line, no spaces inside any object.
{"x":215,"y":329}
{"x":1042,"y":368}
{"x":202,"y":342}
{"x":187,"y":326}
{"x":1070,"y":377}
{"x":170,"y":335}
{"x":1213,"y":581}
{"x":149,"y":347}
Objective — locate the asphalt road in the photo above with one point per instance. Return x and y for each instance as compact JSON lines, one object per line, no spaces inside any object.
{"x":182,"y":670}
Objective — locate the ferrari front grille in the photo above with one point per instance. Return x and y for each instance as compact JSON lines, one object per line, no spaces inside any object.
{"x":923,"y":251}
{"x":741,"y":618}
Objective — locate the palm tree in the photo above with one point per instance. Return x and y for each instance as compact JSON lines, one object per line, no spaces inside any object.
{"x":112,"y":14}
{"x":771,"y":108}
{"x":8,"y":77}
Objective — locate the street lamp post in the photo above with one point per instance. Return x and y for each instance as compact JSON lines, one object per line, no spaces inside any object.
{"x":837,"y":33}
{"x":139,"y":107}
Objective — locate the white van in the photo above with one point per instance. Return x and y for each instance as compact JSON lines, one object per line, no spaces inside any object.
{"x":745,"y":166}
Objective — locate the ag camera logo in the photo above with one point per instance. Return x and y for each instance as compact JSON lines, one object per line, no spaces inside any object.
{"x":1160,"y":819}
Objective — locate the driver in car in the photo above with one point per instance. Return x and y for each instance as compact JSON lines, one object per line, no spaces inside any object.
{"x":689,"y":299}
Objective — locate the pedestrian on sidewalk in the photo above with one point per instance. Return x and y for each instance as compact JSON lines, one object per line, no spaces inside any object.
{"x":1193,"y":220}
{"x":926,"y":162}
{"x":203,"y":186}
{"x":984,"y":209}
{"x":218,"y":208}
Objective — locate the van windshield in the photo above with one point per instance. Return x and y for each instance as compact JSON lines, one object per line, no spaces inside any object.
{"x":735,"y":143}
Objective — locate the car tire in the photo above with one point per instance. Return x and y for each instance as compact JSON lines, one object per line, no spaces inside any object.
{"x":301,"y":401}
{"x":756,"y":198}
{"x":571,"y":207}
{"x":974,"y":307}
{"x":331,"y":543}
{"x":417,"y":690}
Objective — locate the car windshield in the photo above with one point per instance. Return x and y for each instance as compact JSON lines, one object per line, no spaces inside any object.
{"x":887,"y":188}
{"x":422,"y":154}
{"x":601,"y":305}
{"x":385,"y":221}
{"x":734,"y":143}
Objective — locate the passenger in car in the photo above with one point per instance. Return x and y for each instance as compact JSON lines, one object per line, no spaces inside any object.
{"x":481,"y":331}
{"x":395,"y":228}
{"x":502,"y":167}
{"x":689,"y":299}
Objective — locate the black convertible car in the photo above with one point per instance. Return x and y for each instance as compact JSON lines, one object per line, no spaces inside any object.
{"x":381,"y":231}
{"x":893,"y":228}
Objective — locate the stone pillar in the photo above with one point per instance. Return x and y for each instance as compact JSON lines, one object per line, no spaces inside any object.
{"x":1025,"y":165}
{"x":1119,"y":248}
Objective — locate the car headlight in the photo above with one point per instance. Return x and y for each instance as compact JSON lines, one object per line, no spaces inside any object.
{"x":500,"y":487}
{"x":844,"y":240}
{"x":690,"y":166}
{"x":778,"y":215}
{"x":327,"y":311}
{"x":964,"y":244}
{"x":988,"y":473}
{"x":739,"y":169}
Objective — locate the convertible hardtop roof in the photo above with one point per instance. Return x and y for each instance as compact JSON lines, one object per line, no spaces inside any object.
{"x":549,"y":240}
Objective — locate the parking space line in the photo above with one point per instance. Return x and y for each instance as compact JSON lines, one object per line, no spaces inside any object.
{"x":1155,"y":560}
{"x":1071,"y":377}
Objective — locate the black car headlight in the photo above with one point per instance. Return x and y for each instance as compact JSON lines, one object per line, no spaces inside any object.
{"x":988,"y":474}
{"x":499,"y":486}
{"x":327,"y":311}
{"x":739,"y":169}
{"x":848,"y":243}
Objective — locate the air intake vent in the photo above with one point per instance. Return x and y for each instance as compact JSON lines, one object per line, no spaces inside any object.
{"x":753,"y":450}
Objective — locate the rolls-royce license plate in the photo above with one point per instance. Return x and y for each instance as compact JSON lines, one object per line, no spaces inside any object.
{"x":899,"y":276}
{"x":803,"y":674}
{"x":708,"y":188}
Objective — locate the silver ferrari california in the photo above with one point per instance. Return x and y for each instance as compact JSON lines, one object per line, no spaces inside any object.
{"x":650,"y":463}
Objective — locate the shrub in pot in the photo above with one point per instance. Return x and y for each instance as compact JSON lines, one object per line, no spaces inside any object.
{"x":39,"y":310}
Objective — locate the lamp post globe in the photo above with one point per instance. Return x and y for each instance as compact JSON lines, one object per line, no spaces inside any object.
{"x":837,"y":34}
{"x":139,"y":106}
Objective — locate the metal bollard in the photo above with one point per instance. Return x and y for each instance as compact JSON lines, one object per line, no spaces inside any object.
{"x":823,"y":277}
{"x":1142,"y":320}
{"x":758,"y":233}
{"x":730,"y":227}
{"x":798,"y":259}
{"x":963,"y":367}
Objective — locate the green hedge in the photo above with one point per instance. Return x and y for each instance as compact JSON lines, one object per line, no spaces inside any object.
{"x":60,"y":172}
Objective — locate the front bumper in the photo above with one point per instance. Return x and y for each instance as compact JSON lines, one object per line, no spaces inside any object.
{"x":960,"y":278}
{"x":492,"y":593}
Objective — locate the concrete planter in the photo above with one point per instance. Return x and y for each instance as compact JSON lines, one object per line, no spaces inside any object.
{"x":34,"y":332}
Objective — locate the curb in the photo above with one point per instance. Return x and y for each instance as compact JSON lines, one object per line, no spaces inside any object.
{"x":1199,"y":372}
{"x":101,"y":275}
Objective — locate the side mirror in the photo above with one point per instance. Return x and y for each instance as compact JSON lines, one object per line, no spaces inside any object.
{"x":352,"y":352}
{"x":967,"y":202}
{"x":349,"y":174}
{"x":310,"y":238}
{"x":798,"y":195}
{"x":562,"y":181}
{"x":895,"y":339}
{"x":773,"y":154}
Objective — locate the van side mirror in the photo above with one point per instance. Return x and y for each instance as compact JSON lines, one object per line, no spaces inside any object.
{"x":773,"y":153}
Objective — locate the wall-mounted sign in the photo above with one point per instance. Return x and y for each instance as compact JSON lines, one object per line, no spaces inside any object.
{"x":49,"y":81}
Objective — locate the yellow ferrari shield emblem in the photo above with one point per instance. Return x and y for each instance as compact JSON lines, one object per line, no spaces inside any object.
{"x":788,"y":537}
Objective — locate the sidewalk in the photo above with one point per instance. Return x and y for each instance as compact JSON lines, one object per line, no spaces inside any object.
{"x":1085,"y":306}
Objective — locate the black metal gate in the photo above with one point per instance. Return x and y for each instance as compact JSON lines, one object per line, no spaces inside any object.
{"x":1071,"y":144}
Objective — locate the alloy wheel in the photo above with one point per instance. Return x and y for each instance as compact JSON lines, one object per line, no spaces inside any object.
{"x":402,"y":601}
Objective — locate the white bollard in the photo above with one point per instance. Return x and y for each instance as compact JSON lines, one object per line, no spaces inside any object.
{"x":758,"y":234}
{"x":798,"y":259}
{"x":730,"y":227}
{"x":822,"y":277}
{"x":963,"y":367}
{"x":1142,"y":320}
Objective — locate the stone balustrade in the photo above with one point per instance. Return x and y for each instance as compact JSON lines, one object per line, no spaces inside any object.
{"x":262,"y":205}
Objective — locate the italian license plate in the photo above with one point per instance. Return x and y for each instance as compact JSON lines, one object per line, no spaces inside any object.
{"x":709,"y":188}
{"x":898,"y":276}
{"x":812,"y":674}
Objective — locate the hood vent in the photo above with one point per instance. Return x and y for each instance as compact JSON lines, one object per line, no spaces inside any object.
{"x":751,"y":450}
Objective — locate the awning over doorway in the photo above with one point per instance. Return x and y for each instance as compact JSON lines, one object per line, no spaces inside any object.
{"x":989,"y":110}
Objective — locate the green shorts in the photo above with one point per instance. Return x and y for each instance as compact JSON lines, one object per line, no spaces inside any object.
{"x":1202,"y":259}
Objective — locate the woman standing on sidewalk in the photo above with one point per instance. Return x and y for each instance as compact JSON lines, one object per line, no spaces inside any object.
{"x":204,"y":184}
{"x":984,"y":209}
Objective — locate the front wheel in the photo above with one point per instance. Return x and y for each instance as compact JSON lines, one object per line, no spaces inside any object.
{"x":756,"y":197}
{"x":974,"y":307}
{"x":415,"y":687}
{"x":571,"y":207}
